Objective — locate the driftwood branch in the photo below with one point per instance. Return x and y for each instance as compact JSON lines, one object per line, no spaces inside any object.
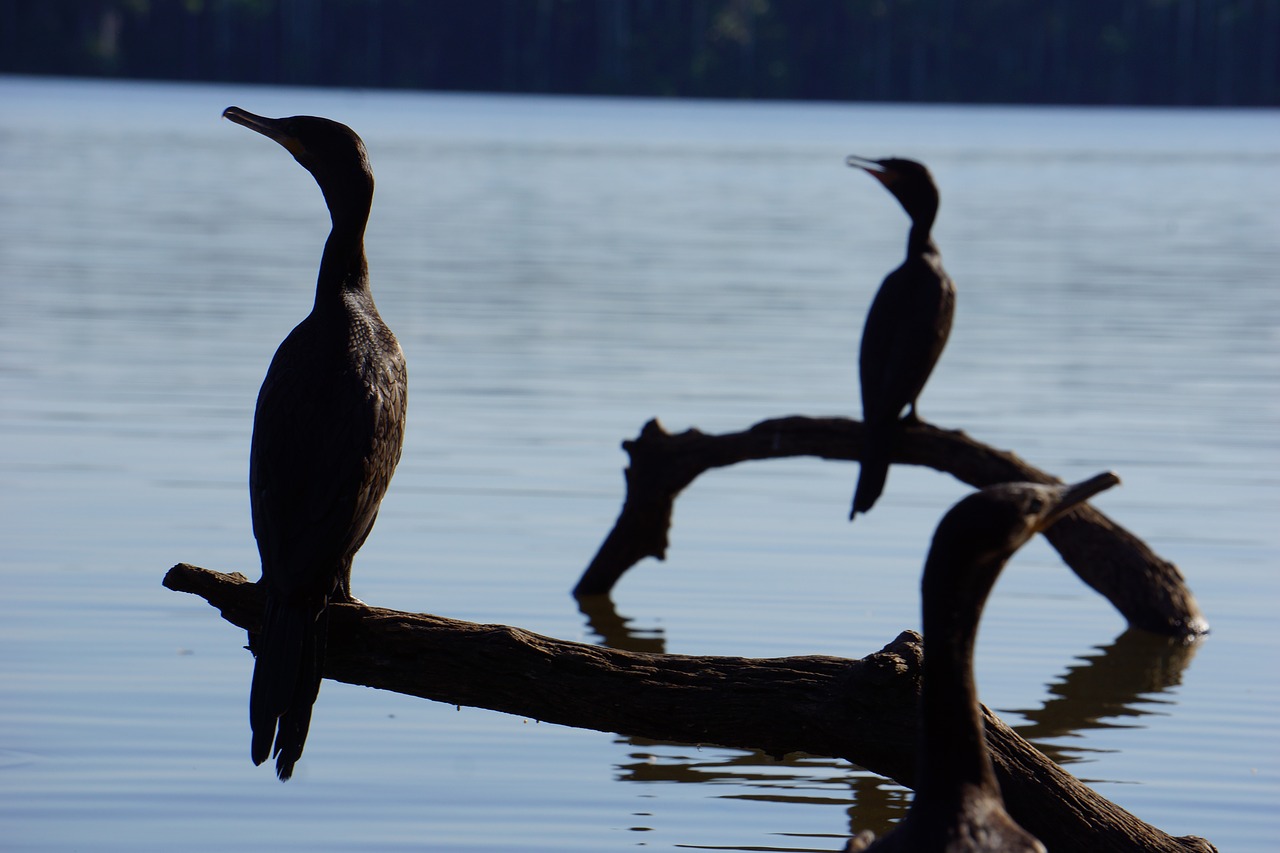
{"x":1148,"y":591}
{"x":863,"y":710}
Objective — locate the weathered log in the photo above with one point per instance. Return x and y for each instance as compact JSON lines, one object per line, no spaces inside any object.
{"x":1148,"y":591}
{"x":863,"y":710}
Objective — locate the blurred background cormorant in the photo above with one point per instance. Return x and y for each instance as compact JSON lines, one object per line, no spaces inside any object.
{"x":906,"y":328}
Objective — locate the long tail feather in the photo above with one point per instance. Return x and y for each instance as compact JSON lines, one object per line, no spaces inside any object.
{"x":875,"y":468}
{"x":286,"y":681}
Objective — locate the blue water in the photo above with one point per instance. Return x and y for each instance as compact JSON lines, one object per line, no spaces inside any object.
{"x":559,"y":271}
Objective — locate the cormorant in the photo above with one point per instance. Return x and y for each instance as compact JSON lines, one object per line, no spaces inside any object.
{"x":327,"y":434}
{"x":958,"y":807}
{"x":906,"y":328}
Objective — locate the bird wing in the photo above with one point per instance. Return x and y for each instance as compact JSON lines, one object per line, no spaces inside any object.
{"x":316,"y":475}
{"x":906,"y":328}
{"x":387,"y":397}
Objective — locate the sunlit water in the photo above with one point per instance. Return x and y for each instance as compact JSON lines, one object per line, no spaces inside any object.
{"x":559,"y":271}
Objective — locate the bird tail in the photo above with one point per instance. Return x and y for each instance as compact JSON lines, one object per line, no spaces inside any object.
{"x":286,"y":681}
{"x":875,"y":468}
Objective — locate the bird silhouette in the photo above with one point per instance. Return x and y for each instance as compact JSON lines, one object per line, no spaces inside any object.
{"x":906,"y":327}
{"x":327,"y":435}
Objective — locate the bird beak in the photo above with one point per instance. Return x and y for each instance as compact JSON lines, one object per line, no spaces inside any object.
{"x":874,"y":168}
{"x":1075,"y":494}
{"x":272,"y":128}
{"x":856,"y":162}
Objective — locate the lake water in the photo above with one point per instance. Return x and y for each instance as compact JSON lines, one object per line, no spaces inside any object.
{"x":558,"y":271}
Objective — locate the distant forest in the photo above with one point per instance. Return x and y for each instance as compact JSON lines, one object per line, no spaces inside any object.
{"x":1157,"y":52}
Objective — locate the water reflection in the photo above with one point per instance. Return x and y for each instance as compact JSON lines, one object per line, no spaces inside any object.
{"x":1122,"y":680}
{"x":869,"y":801}
{"x":614,"y":631}
{"x":1118,"y":681}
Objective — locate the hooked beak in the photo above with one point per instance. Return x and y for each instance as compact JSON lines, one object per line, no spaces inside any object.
{"x":855,"y":161}
{"x":874,"y":168}
{"x":1071,"y":496}
{"x":272,"y":128}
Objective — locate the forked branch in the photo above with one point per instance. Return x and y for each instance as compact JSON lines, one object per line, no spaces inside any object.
{"x":1148,"y":591}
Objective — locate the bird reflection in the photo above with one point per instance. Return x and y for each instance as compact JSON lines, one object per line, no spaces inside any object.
{"x":1123,"y":679}
{"x":796,"y":779}
{"x":664,"y":761}
{"x":754,"y":775}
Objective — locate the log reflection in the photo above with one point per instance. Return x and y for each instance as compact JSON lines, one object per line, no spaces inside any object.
{"x":1107,"y":686}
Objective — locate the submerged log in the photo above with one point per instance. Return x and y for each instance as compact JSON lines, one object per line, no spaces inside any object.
{"x":1148,"y":591}
{"x":863,"y":711}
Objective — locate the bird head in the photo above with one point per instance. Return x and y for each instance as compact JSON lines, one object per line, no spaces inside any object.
{"x":329,"y":150}
{"x":909,"y":181}
{"x":996,"y":521}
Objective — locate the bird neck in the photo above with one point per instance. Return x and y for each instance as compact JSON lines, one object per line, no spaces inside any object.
{"x":343,"y":266}
{"x":920,"y":238}
{"x":953,"y":755}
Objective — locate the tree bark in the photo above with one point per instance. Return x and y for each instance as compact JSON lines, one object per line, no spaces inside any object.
{"x":863,"y":710}
{"x":1148,"y":591}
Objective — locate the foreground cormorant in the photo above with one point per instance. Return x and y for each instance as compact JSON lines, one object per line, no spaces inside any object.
{"x":326,"y":439}
{"x":957,"y":806}
{"x":906,"y":328}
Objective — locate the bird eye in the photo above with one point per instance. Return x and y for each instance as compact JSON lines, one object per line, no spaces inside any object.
{"x":1034,"y":506}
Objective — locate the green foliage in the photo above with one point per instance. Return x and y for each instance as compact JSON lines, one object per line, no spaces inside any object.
{"x":1016,"y":51}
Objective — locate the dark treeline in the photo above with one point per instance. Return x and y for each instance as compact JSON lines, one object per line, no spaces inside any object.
{"x":1168,"y":52}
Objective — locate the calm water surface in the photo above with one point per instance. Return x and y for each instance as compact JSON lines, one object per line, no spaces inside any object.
{"x":559,"y":271}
